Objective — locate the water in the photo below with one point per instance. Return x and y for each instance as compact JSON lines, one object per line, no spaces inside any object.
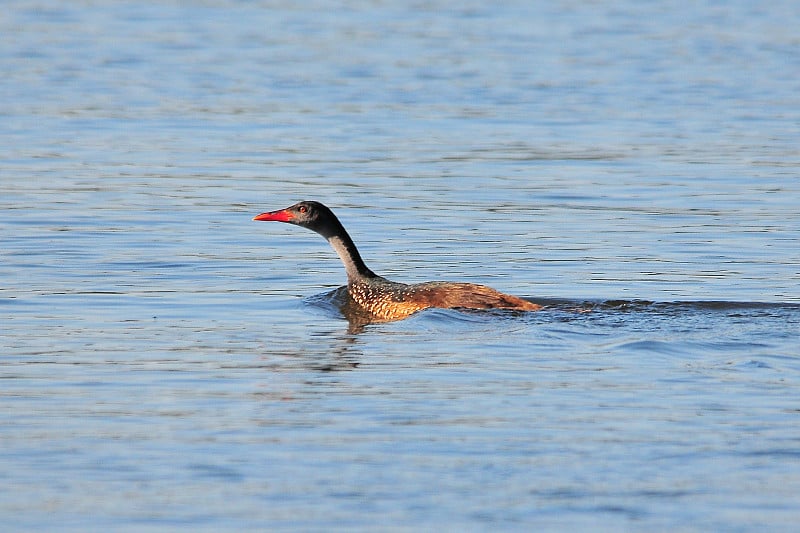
{"x":169,"y":364}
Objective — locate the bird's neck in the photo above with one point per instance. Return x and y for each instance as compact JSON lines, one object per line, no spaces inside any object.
{"x":348,"y":253}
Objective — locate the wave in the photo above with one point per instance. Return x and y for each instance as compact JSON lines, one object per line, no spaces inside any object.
{"x":336,"y":303}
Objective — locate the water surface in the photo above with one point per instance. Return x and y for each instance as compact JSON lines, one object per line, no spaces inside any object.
{"x":169,"y":364}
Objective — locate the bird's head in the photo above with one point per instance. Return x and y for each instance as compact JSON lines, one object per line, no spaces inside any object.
{"x":307,"y":214}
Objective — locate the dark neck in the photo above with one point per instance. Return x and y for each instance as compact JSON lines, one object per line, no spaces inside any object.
{"x":341,"y":242}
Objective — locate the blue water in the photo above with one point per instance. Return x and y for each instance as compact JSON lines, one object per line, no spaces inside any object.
{"x":169,"y":364}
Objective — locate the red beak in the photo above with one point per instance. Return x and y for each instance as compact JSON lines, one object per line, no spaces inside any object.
{"x":282,"y":215}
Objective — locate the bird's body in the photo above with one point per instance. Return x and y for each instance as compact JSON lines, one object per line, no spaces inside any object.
{"x":389,"y":300}
{"x":379,"y":297}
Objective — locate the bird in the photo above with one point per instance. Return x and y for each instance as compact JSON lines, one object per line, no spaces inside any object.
{"x":379,"y":298}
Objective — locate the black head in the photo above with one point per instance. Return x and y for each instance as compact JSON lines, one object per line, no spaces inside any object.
{"x":308,"y":214}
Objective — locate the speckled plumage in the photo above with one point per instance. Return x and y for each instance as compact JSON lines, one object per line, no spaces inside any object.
{"x":389,"y":300}
{"x":379,"y":297}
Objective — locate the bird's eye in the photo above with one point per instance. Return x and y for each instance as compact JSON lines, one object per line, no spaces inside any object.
{"x":302,"y":209}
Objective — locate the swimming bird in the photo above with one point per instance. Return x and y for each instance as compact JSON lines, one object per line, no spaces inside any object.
{"x":379,"y":297}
